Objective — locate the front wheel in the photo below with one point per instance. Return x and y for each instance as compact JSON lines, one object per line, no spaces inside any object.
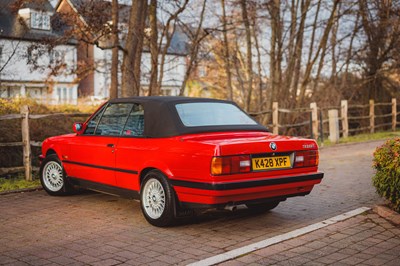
{"x":157,"y":199}
{"x":52,"y":177}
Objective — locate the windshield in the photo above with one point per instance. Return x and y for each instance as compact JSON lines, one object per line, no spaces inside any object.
{"x":212,"y":114}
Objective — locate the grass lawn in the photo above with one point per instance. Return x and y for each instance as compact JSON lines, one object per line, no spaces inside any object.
{"x":17,"y":182}
{"x":364,"y":137}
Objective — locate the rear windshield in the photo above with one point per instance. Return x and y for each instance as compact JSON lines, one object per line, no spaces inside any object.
{"x":212,"y":114}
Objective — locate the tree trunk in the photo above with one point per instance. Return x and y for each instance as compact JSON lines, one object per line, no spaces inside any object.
{"x":166,"y":33}
{"x":299,"y":49}
{"x":249,"y":54}
{"x":321,"y":47}
{"x":153,"y":88}
{"x":275,"y":54}
{"x":333,"y":48}
{"x":260,"y":100}
{"x":114,"y":58}
{"x":194,"y":49}
{"x":226,"y":54}
{"x":133,"y":49}
{"x":291,"y":49}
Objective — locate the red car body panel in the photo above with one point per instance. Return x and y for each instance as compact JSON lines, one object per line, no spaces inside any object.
{"x":185,"y":160}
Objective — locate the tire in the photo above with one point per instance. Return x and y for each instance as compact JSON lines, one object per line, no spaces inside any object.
{"x":262,"y":207}
{"x":53,"y":177}
{"x":157,"y":199}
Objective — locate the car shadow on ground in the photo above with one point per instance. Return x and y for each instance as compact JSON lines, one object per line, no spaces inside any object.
{"x":213,"y":215}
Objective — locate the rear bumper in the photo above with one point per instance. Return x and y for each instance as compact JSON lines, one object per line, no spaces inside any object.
{"x":216,"y":194}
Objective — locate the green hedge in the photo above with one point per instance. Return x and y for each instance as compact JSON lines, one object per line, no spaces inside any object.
{"x":387,"y":177}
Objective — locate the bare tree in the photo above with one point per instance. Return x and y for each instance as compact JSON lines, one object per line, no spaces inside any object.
{"x":165,"y":40}
{"x":226,"y":57}
{"x":196,"y":38}
{"x":115,"y":51}
{"x":249,"y":54}
{"x":274,"y":9}
{"x":380,"y":22}
{"x":321,"y":50}
{"x":153,"y":88}
{"x":133,"y":49}
{"x":7,"y":57}
{"x":298,"y":58}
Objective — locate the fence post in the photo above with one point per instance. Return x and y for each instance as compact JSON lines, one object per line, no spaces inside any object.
{"x":394,"y":114}
{"x":314,"y":119}
{"x":371,"y":116}
{"x":275,"y":121}
{"x":333,"y":125}
{"x":345,"y":121}
{"x":26,"y":142}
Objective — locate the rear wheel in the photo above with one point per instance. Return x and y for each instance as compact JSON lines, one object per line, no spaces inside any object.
{"x":262,"y":207}
{"x":157,"y":199}
{"x":52,"y":177}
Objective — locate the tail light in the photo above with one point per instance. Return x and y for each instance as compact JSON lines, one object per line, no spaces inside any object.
{"x":230,"y":165}
{"x":306,"y":158}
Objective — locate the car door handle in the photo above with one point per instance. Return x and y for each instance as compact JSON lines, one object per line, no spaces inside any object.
{"x":110,"y":145}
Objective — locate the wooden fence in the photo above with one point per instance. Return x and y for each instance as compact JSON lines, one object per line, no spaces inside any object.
{"x":338,"y":125}
{"x":316,"y":123}
{"x":26,"y":143}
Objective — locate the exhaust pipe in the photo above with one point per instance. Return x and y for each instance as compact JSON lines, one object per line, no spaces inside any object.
{"x":231,"y":208}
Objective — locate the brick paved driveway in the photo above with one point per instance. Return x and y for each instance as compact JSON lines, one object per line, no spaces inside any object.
{"x":99,"y":229}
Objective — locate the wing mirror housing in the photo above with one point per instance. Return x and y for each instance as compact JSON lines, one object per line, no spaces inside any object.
{"x":78,"y":128}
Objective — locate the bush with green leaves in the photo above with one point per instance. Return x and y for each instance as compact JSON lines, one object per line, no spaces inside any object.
{"x":387,"y":177}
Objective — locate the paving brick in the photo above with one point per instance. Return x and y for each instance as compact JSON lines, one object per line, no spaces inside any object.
{"x":249,"y":258}
{"x":63,"y":260}
{"x":352,"y":260}
{"x":96,"y":229}
{"x":40,"y":262}
{"x":142,"y":259}
{"x":107,"y":262}
{"x":375,"y":261}
{"x":86,"y":259}
{"x":17,"y":263}
{"x":6,"y":260}
{"x":394,"y":262}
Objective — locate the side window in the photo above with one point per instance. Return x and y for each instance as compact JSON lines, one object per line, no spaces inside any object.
{"x":113,"y":119}
{"x":135,"y":124}
{"x":92,"y":124}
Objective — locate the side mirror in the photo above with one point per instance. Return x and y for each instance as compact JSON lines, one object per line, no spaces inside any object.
{"x":78,"y":128}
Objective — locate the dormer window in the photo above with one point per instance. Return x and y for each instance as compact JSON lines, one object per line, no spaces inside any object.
{"x":40,"y":20}
{"x":36,"y":19}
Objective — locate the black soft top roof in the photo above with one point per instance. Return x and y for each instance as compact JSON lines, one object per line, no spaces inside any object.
{"x":162,"y":119}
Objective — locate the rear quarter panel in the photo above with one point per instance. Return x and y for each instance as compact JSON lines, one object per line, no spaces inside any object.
{"x":173,"y":156}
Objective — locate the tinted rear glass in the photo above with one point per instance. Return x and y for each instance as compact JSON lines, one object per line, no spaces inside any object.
{"x":212,"y":114}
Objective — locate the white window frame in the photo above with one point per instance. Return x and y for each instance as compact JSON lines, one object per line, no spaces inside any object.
{"x":40,"y":20}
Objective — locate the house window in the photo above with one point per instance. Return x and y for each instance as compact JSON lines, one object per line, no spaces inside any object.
{"x":3,"y":92}
{"x":70,"y":96}
{"x":62,"y":95}
{"x":40,"y":20}
{"x":65,"y":95}
{"x":202,"y":71}
{"x":34,"y":92}
{"x":56,"y":57}
{"x":32,"y":55}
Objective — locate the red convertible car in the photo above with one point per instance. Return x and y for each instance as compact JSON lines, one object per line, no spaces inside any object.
{"x":176,"y":154}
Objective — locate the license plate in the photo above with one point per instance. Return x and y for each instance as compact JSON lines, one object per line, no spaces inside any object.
{"x":268,"y":163}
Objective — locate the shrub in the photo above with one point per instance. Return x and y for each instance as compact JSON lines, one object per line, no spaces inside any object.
{"x":387,"y":177}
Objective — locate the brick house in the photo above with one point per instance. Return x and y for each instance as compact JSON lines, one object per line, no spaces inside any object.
{"x":96,"y":83}
{"x":26,"y":71}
